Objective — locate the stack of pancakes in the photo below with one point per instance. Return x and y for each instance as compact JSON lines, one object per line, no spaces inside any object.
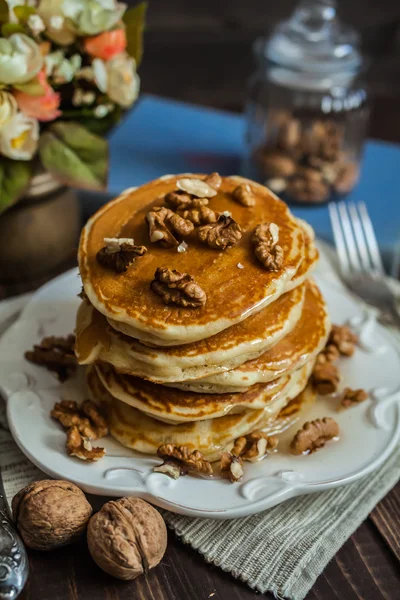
{"x":200,"y":376}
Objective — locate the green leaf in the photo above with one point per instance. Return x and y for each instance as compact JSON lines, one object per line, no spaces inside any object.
{"x":134,"y":20}
{"x":74,"y":155}
{"x":23,"y":12}
{"x":10,"y":28}
{"x":14,"y":178}
{"x":4,"y":11}
{"x":32,"y":87}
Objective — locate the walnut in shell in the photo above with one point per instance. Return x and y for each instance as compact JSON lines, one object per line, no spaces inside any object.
{"x":127,"y":537}
{"x":50,"y":514}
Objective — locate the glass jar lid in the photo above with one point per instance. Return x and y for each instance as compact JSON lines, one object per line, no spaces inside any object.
{"x":314,"y":40}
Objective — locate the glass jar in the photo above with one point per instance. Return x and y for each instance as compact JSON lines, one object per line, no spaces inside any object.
{"x":307,"y":108}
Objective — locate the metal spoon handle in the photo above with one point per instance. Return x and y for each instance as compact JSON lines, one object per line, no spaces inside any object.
{"x":13,"y":558}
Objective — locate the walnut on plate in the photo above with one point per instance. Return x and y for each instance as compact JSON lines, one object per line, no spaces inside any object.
{"x":163,"y":223}
{"x":50,"y":514}
{"x":180,"y":460}
{"x":83,"y":424}
{"x":231,"y":466}
{"x":56,"y":354}
{"x":325,"y":378}
{"x":127,"y":537}
{"x":314,"y":435}
{"x":178,"y":288}
{"x":222,"y":234}
{"x":344,"y":339}
{"x":266,"y":248}
{"x":352,"y":397}
{"x":254,"y":446}
{"x":119,"y":253}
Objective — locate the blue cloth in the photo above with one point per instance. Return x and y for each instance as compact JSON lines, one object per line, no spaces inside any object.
{"x":163,"y":136}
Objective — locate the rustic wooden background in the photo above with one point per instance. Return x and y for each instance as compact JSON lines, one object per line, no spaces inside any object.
{"x":201,"y":52}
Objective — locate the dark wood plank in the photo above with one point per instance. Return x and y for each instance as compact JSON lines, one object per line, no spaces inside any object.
{"x":386,"y":517}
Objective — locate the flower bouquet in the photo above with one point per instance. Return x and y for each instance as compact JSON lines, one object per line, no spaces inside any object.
{"x":67,"y":74}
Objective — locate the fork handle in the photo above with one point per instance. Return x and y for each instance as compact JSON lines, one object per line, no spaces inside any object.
{"x":13,"y":557}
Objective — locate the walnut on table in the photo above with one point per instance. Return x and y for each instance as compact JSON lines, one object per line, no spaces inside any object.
{"x":163,"y":223}
{"x":178,"y":288}
{"x":314,"y":435}
{"x":127,"y":537}
{"x":180,"y":460}
{"x":352,"y":397}
{"x":56,"y":354}
{"x":83,"y":424}
{"x":266,"y":248}
{"x":50,"y":514}
{"x":119,"y":253}
{"x":222,"y":234}
{"x":244,"y":195}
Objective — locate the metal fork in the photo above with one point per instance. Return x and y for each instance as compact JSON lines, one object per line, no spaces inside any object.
{"x":359,"y":258}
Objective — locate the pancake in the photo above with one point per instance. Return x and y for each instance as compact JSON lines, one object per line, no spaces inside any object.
{"x":177,"y":406}
{"x":138,"y":431}
{"x":300,"y":346}
{"x":233,"y":293}
{"x":97,"y":341}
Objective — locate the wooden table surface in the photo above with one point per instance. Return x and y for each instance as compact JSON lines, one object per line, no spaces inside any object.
{"x":208,"y":48}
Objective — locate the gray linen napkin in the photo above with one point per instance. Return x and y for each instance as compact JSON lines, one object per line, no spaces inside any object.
{"x":282,"y":550}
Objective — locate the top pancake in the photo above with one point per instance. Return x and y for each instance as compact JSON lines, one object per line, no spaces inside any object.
{"x":233,"y":293}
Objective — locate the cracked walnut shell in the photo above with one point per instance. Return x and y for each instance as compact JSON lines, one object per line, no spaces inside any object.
{"x":178,"y":288}
{"x":222,"y":234}
{"x":314,"y":435}
{"x":119,"y":253}
{"x":50,"y":514}
{"x":127,"y":537}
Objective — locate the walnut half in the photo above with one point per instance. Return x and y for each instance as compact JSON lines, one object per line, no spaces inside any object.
{"x":244,"y":195}
{"x":163,"y":223}
{"x":314,"y":435}
{"x":222,"y":234}
{"x":231,"y":466}
{"x":178,"y":288}
{"x":344,"y":339}
{"x":266,"y":248}
{"x":119,"y":253}
{"x":353,"y":397}
{"x":179,"y":460}
{"x":325,"y":378}
{"x":56,"y":354}
{"x":254,"y":446}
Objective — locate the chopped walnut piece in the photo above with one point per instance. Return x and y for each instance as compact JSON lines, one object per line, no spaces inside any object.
{"x":178,"y":288}
{"x":329,"y":354}
{"x":179,"y":460}
{"x":254,"y":446}
{"x":353,"y":397}
{"x":81,"y":447}
{"x":163,"y":223}
{"x":244,"y":195}
{"x":314,"y":435}
{"x":82,"y":295}
{"x":86,"y":417}
{"x":214,"y":180}
{"x":231,"y":466}
{"x":199,"y":216}
{"x":196,"y":187}
{"x":119,"y":253}
{"x":178,"y":200}
{"x":325,"y":378}
{"x":56,"y":354}
{"x":344,"y":339}
{"x":223,"y":234}
{"x":266,"y":248}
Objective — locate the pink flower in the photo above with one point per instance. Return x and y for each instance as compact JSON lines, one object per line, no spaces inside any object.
{"x":107,"y":44}
{"x":43,"y":108}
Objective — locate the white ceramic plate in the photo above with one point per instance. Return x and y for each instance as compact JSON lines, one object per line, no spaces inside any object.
{"x":369,"y":432}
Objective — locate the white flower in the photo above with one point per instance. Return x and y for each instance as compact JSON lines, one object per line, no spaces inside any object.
{"x":101,"y":111}
{"x":20,"y":59}
{"x":19,"y":137}
{"x":36,"y":24}
{"x":117,"y":78}
{"x":8,"y":108}
{"x":53,"y":60}
{"x":56,"y":22}
{"x":94,"y":16}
